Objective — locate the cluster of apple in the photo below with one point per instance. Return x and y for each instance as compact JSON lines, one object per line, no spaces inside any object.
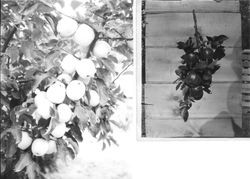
{"x":68,"y":86}
{"x":199,"y":63}
{"x":39,"y":146}
{"x":83,"y":35}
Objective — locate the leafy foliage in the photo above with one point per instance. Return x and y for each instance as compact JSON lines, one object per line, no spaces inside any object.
{"x":31,"y":54}
{"x":198,"y":65}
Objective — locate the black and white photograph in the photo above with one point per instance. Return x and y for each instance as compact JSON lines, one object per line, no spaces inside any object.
{"x":125,"y":89}
{"x":195,"y":69}
{"x":65,"y":103}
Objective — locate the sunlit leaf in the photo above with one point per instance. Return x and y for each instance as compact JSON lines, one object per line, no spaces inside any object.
{"x":24,"y":161}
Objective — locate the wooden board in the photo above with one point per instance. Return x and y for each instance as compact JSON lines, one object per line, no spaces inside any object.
{"x":161,"y":64}
{"x":158,"y":6}
{"x":165,"y":30}
{"x":161,"y":101}
{"x":192,"y":128}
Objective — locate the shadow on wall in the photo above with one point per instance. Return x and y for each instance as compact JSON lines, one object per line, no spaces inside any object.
{"x":221,"y":127}
{"x":234,"y":103}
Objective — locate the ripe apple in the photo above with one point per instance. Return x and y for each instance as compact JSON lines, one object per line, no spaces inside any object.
{"x":59,"y":130}
{"x":52,"y":147}
{"x":86,"y":68}
{"x":44,"y":109}
{"x":66,"y":26}
{"x":75,"y":90}
{"x":39,"y":147}
{"x":25,"y":141}
{"x":101,"y":49}
{"x":94,"y":98}
{"x":207,"y":54}
{"x":56,"y":93}
{"x":84,"y":35}
{"x":65,"y":78}
{"x":40,"y":98}
{"x":196,"y":93}
{"x":64,"y":112}
{"x":193,"y":79}
{"x":69,"y":64}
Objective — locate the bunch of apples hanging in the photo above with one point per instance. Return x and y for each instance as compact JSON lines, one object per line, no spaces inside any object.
{"x":198,"y":65}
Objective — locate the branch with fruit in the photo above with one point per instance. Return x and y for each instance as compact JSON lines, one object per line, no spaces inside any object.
{"x":58,"y":78}
{"x":198,"y":64}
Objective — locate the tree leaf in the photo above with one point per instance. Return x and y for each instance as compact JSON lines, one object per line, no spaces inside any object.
{"x":220,"y":38}
{"x":219,"y":53}
{"x":184,"y":114}
{"x":4,"y":100}
{"x":24,"y":161}
{"x":111,"y":138}
{"x":26,"y":118}
{"x":15,"y":131}
{"x":103,"y":145}
{"x":207,"y":90}
{"x":30,"y":8}
{"x":94,"y":129}
{"x":105,"y":75}
{"x":52,"y":22}
{"x":71,"y":152}
{"x":13,"y":53}
{"x":36,"y":34}
{"x":32,"y":169}
{"x":74,"y":145}
{"x":103,"y":91}
{"x":82,"y":115}
{"x":3,"y":166}
{"x":178,"y":85}
{"x":76,"y":132}
{"x":11,"y":147}
{"x":209,"y":38}
{"x":27,"y":48}
{"x":181,"y":45}
{"x":38,"y":79}
{"x":109,"y":65}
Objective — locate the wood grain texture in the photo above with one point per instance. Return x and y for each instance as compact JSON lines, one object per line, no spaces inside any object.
{"x":161,"y":64}
{"x":193,"y":128}
{"x":157,"y":6}
{"x":165,"y":30}
{"x":162,"y":101}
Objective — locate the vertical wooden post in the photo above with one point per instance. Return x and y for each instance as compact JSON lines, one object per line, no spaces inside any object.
{"x":246,"y":92}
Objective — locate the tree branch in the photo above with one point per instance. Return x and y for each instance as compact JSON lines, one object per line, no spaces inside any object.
{"x":125,"y":69}
{"x":10,"y":36}
{"x":116,"y":38}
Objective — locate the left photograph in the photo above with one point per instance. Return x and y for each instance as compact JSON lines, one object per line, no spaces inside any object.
{"x":66,"y":96}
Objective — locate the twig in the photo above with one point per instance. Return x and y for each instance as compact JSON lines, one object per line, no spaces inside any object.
{"x":125,"y":69}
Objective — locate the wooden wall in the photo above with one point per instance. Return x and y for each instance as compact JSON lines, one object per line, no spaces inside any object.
{"x":167,"y":23}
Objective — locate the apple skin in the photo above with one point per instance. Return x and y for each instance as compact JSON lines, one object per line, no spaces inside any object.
{"x":193,"y":79}
{"x":196,"y":93}
{"x":207,"y":54}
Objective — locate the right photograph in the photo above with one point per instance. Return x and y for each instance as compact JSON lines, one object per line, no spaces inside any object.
{"x":195,"y":73}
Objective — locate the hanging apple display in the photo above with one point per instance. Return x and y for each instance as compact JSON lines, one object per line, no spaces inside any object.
{"x":198,"y":64}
